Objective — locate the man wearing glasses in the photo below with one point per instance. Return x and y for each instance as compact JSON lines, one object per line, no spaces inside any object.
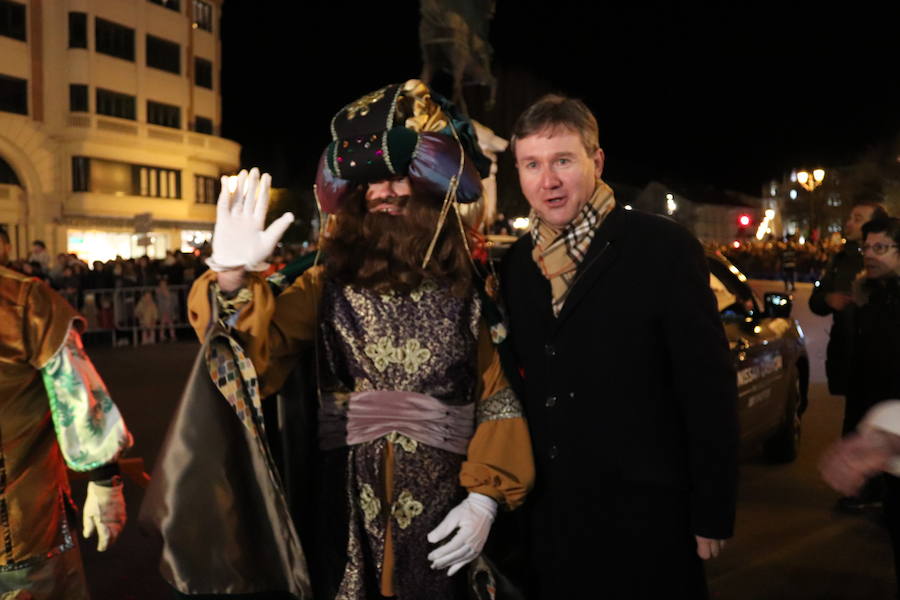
{"x":831,"y":296}
{"x":874,"y":376}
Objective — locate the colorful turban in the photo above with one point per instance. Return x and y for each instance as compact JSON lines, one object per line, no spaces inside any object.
{"x":403,"y":129}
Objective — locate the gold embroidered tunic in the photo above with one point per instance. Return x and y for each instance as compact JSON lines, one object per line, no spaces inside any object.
{"x":375,"y":351}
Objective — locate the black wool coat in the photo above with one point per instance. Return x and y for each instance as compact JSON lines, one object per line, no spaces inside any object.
{"x":630,"y":396}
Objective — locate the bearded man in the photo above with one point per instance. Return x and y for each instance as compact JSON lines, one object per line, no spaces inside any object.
{"x":420,"y":437}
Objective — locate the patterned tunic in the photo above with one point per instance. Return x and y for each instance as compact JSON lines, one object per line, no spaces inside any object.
{"x":396,"y":489}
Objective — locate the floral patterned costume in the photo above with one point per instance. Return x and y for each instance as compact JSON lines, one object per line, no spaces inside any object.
{"x":414,"y":411}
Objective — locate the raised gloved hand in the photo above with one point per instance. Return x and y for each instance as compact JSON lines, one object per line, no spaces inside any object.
{"x":239,"y":240}
{"x":104,"y":511}
{"x":472,"y":518}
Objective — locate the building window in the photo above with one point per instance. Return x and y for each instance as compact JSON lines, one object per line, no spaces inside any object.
{"x":115,"y":104}
{"x":77,"y":30}
{"x":203,"y":16}
{"x":170,"y":4}
{"x":112,"y":177}
{"x":163,"y":114}
{"x":163,"y":54}
{"x":81,"y":173}
{"x":113,"y":39}
{"x":13,"y":95}
{"x":206,"y":189}
{"x":12,"y":19}
{"x":78,"y":97}
{"x":156,"y":182}
{"x":203,"y":73}
{"x":203,"y":125}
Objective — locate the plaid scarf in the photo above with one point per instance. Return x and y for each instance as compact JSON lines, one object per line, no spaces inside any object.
{"x":558,"y":253}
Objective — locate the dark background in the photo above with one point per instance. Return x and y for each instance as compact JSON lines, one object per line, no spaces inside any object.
{"x":729,"y":94}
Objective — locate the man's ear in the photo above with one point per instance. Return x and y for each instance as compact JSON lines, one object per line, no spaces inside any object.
{"x":599,"y":159}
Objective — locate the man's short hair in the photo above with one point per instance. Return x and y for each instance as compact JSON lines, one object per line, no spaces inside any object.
{"x":39,"y":243}
{"x":890,"y":226}
{"x":879,"y":212}
{"x":554,"y":111}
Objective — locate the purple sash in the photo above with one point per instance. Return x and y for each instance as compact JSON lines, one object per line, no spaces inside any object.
{"x":370,"y":415}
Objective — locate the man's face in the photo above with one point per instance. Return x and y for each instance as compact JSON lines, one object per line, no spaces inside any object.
{"x":388,"y":196}
{"x":557,"y":174}
{"x":859,"y":216}
{"x":37,"y":249}
{"x":880,"y":265}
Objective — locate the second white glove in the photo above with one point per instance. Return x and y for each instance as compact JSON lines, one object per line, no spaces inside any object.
{"x":239,"y":240}
{"x":104,"y":511}
{"x":472,"y":519}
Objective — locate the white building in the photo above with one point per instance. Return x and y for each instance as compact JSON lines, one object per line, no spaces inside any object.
{"x":110,"y":109}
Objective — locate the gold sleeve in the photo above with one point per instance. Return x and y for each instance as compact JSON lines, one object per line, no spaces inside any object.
{"x":500,"y":462}
{"x":47,"y":320}
{"x":271,"y":330}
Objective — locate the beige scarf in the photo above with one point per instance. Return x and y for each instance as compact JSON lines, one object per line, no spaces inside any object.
{"x":558,"y":253}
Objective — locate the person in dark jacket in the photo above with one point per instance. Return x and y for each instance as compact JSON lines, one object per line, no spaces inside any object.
{"x":831,"y":296}
{"x":874,"y":376}
{"x":628,"y":384}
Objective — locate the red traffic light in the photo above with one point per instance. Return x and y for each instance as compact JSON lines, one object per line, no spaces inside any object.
{"x":744,"y":220}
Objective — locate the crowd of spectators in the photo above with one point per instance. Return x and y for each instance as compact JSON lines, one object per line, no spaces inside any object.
{"x":766,"y":259}
{"x":123,"y":295}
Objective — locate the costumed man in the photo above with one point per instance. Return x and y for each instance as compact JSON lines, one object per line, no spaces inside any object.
{"x":54,"y":411}
{"x":420,"y":437}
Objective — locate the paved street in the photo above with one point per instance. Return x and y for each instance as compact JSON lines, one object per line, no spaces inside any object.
{"x":790,"y":544}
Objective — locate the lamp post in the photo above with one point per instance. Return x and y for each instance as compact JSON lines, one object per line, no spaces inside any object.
{"x":809,"y":182}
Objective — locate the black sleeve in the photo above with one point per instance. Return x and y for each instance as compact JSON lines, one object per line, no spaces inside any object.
{"x":823,"y":287}
{"x":705,"y":385}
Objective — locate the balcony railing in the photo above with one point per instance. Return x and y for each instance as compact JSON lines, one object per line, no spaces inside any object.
{"x":154,"y":132}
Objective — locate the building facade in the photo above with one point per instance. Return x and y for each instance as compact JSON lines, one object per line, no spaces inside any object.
{"x":109,"y":120}
{"x":712,"y":215}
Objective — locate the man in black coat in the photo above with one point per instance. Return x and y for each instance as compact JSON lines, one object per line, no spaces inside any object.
{"x":831,"y":296}
{"x":629,"y":389}
{"x":873,"y":374}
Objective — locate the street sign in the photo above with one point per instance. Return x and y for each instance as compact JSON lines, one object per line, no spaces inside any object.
{"x":143,"y":222}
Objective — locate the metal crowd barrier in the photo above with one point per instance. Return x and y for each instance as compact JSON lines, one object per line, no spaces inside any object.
{"x":125,"y":312}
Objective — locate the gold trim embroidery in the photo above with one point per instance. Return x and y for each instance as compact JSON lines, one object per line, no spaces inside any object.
{"x":406,"y":508}
{"x":412,"y":355}
{"x":502,"y":405}
{"x":408,"y":444}
{"x":371,"y":506}
{"x":361,"y":106}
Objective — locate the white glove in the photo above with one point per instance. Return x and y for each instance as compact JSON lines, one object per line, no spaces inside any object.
{"x":473,"y":518}
{"x":104,"y":510}
{"x":239,"y":239}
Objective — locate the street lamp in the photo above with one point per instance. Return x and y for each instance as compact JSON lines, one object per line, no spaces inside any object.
{"x":809,"y":182}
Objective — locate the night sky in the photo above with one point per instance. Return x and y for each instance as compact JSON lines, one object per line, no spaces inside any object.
{"x":725,"y":94}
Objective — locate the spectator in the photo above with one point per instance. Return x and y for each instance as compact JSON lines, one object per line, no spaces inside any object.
{"x":788,"y":262}
{"x":69,"y":286}
{"x":167,"y":304}
{"x":55,"y":272}
{"x":39,"y":254}
{"x":832,"y":296}
{"x":875,"y":351}
{"x":147,"y":315}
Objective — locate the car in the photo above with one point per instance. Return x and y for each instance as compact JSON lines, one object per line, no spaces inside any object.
{"x":770,"y":358}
